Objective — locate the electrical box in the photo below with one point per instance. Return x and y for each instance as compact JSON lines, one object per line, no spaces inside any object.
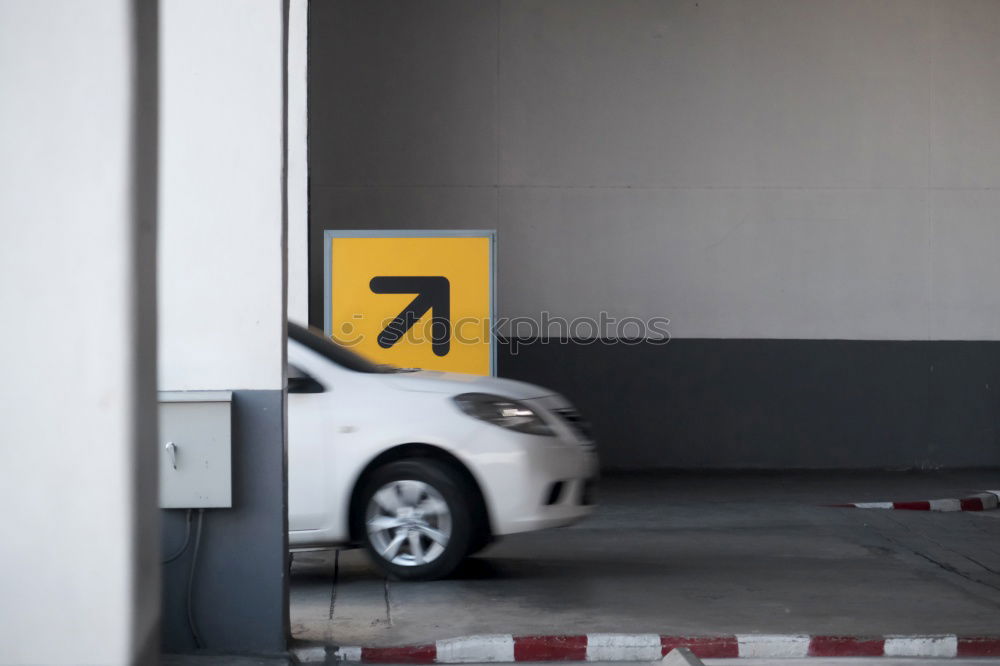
{"x":195,"y":445}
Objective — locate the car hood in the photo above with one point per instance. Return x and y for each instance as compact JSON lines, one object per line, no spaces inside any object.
{"x":454,"y":383}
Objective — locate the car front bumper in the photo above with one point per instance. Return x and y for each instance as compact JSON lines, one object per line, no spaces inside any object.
{"x":533,"y":483}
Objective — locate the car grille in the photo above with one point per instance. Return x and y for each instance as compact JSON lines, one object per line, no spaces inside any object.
{"x":576,"y":422}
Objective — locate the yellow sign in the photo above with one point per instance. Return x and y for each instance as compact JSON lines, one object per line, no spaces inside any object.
{"x":412,"y":299}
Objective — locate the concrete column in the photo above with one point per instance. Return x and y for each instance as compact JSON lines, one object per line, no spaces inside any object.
{"x":79,"y":567}
{"x":222,"y":307}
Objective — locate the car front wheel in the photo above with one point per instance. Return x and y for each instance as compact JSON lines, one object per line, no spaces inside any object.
{"x":416,"y":519}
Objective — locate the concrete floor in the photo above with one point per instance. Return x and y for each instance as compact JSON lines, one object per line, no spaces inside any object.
{"x":694,"y":554}
{"x":240,"y":660}
{"x":852,"y":661}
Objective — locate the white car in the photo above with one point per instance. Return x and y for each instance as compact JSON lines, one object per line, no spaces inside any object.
{"x":424,"y":468}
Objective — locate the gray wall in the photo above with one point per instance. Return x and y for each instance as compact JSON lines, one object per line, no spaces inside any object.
{"x":751,"y":169}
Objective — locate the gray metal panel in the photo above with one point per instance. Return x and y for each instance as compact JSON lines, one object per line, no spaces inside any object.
{"x":198,"y":474}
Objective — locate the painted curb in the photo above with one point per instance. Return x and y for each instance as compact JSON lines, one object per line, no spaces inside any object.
{"x":985,"y":501}
{"x":681,"y":657}
{"x":506,"y":648}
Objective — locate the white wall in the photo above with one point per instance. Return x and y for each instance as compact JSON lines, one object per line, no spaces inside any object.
{"x":298,"y":171}
{"x":766,"y":169}
{"x":221,"y":274}
{"x":747,"y":168}
{"x":77,"y":584}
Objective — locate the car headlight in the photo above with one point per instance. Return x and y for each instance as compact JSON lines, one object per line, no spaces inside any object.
{"x":504,"y":412}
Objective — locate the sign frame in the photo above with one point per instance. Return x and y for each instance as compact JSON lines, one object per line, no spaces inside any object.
{"x":491,"y":234}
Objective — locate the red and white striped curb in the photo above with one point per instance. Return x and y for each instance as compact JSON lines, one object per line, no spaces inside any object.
{"x":505,"y":648}
{"x":985,"y":501}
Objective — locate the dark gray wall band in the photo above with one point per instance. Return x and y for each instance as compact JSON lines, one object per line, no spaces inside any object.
{"x":777,"y":404}
{"x":241,"y":585}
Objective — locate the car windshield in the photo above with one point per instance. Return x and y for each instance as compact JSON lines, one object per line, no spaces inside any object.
{"x":334,"y":352}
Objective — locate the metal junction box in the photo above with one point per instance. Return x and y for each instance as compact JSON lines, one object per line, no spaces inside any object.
{"x":195,"y":449}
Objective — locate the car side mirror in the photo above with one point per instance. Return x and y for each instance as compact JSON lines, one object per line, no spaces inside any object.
{"x":304,"y":385}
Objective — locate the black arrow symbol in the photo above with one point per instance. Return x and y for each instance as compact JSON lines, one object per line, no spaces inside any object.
{"x":433,"y":293}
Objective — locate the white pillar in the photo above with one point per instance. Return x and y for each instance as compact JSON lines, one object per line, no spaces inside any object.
{"x":79,"y":570}
{"x":221,"y":255}
{"x":222,"y":286}
{"x":298,"y":164}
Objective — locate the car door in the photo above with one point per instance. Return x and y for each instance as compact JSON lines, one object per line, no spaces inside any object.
{"x":310,"y":434}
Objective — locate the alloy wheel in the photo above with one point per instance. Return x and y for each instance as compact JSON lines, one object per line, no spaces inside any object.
{"x":408,"y":522}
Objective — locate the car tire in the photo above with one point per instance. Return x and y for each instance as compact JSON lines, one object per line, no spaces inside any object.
{"x":414,"y":519}
{"x":480,"y":541}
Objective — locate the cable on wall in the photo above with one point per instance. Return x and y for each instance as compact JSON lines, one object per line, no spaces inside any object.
{"x":187,"y":540}
{"x":190,"y":587}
